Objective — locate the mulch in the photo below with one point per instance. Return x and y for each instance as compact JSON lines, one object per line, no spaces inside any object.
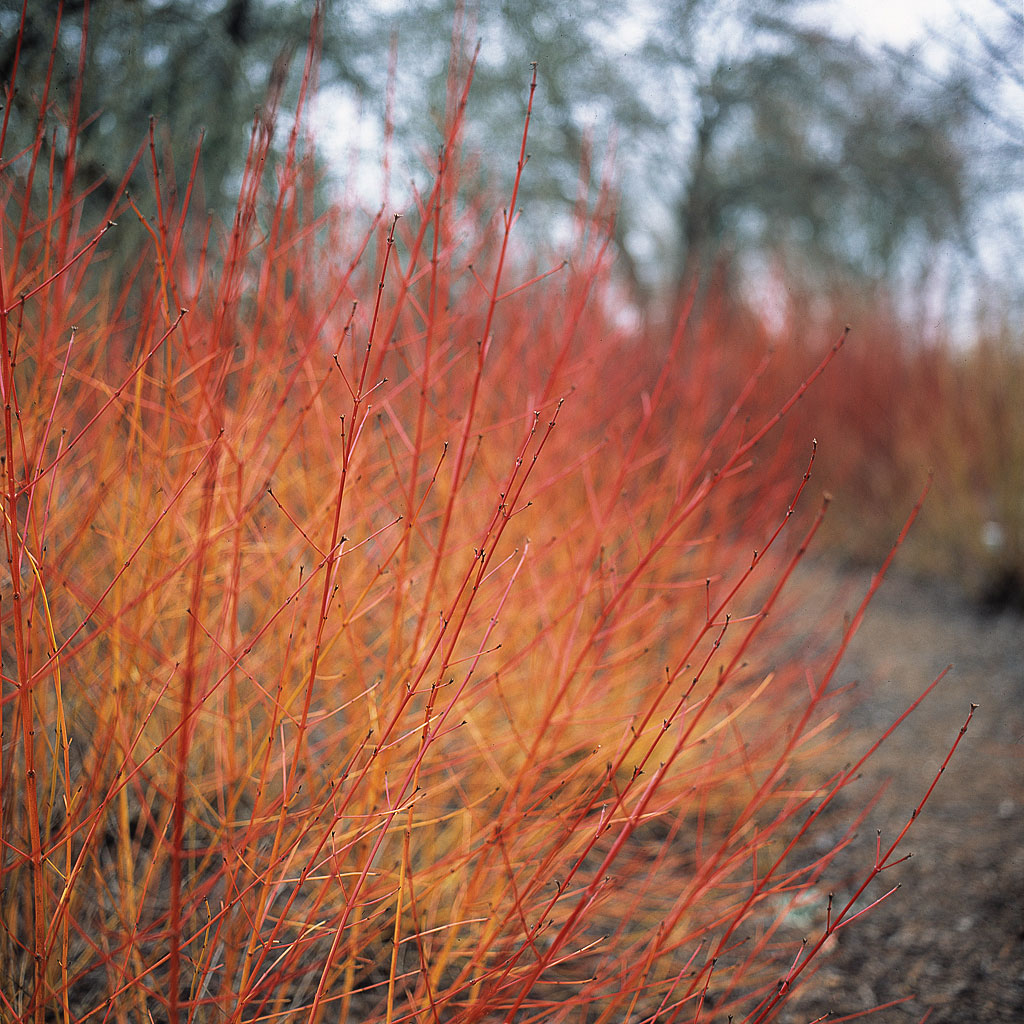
{"x":950,"y":942}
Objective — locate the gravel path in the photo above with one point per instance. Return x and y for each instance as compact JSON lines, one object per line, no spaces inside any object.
{"x":953,"y":936}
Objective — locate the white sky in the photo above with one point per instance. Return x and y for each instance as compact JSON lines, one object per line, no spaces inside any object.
{"x":896,"y":22}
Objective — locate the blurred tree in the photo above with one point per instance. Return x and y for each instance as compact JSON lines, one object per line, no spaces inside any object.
{"x":810,"y":150}
{"x":194,"y":65}
{"x":985,"y":52}
{"x":738,"y":128}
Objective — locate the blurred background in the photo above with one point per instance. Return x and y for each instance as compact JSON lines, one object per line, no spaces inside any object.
{"x":805,"y":146}
{"x":808,"y":163}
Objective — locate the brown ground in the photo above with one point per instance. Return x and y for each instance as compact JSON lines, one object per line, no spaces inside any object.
{"x":953,"y":936}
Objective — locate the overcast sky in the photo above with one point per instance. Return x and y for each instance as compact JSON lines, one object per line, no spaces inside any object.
{"x":896,"y":22}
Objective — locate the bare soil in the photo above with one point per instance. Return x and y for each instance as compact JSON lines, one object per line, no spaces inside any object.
{"x":952,"y":938}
